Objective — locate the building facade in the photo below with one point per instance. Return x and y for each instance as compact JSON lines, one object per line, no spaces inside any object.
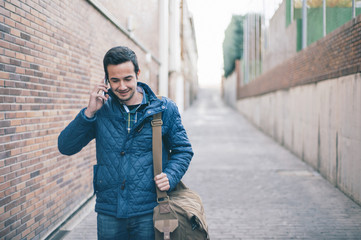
{"x":51,"y":56}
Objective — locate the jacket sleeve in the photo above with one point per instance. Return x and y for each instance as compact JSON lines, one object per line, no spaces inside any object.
{"x":77,"y":134}
{"x":181,"y":149}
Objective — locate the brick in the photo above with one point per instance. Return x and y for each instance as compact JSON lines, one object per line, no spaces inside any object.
{"x":10,"y":7}
{"x":4,"y":75}
{"x":25,"y":36}
{"x":21,"y":229}
{"x":4,"y":12}
{"x":15,"y":17}
{"x":10,"y":68}
{"x":3,"y":44}
{"x":9,"y":22}
{"x":5,"y":200}
{"x":5,"y":231}
{"x":15,"y":62}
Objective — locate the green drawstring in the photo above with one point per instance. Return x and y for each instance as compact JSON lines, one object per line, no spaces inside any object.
{"x":128,"y":122}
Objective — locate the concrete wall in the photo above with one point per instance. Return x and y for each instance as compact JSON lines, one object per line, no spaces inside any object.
{"x":320,"y":123}
{"x":232,"y":84}
{"x":230,"y":90}
{"x":281,"y":40}
{"x":189,"y":55}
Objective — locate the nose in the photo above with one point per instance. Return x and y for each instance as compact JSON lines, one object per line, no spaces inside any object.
{"x":122,"y":86}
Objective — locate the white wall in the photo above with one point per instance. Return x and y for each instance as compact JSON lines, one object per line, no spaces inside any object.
{"x":282,"y":43}
{"x":230,"y":90}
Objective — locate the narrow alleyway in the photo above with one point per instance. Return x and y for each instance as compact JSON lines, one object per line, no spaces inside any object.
{"x":251,"y":187}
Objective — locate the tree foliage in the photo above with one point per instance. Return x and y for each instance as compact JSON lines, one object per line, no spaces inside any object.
{"x":319,"y":3}
{"x":232,"y":44}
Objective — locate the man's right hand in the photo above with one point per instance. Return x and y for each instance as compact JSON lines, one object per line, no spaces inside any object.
{"x":97,"y":99}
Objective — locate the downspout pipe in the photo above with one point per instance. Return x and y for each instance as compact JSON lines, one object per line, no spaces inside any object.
{"x":163,"y":46}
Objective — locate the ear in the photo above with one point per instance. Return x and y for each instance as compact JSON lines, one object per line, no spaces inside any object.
{"x":138,"y":73}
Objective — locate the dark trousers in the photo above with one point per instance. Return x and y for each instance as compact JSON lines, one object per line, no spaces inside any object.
{"x":133,"y":228}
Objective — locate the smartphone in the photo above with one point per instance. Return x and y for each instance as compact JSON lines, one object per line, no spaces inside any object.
{"x":105,"y":83}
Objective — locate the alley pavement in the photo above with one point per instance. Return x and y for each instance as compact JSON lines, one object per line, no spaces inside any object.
{"x":251,"y":187}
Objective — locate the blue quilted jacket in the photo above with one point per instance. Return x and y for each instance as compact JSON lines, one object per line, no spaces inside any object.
{"x":123,"y":177}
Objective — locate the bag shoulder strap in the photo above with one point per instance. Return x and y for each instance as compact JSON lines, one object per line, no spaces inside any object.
{"x":165,"y":220}
{"x":157,"y":148}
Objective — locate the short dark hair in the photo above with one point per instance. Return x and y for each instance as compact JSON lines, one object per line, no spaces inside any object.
{"x":118,"y":55}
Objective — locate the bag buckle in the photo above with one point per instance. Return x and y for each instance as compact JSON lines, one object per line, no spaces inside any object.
{"x":165,"y":199}
{"x":166,"y":226}
{"x":157,"y":122}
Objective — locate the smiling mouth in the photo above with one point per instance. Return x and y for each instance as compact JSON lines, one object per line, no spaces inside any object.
{"x":123,"y":92}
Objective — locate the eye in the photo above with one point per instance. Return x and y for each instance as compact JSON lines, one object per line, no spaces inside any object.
{"x":114,"y":80}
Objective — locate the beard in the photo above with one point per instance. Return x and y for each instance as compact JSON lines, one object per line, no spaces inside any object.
{"x":125,"y":98}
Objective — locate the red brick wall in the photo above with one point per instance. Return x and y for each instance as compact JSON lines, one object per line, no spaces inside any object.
{"x":51,"y":55}
{"x":336,"y":55}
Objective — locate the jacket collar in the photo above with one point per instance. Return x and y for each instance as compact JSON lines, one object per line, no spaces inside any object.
{"x":151,"y":95}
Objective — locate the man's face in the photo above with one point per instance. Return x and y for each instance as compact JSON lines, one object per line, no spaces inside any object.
{"x":123,"y":81}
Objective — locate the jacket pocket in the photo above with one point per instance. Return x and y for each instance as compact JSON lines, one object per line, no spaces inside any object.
{"x":100,"y":181}
{"x":95,"y":171}
{"x":104,"y":187}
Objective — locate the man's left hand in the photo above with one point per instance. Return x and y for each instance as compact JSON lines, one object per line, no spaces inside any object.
{"x":162,"y":182}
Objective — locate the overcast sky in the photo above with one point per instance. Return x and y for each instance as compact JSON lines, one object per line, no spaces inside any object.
{"x":211,"y":18}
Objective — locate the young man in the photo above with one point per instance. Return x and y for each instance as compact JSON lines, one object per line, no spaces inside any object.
{"x":120,"y":121}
